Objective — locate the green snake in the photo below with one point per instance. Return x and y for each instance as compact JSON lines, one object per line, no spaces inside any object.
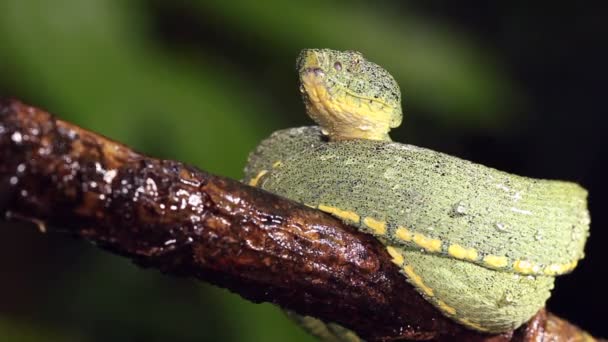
{"x":483,"y":246}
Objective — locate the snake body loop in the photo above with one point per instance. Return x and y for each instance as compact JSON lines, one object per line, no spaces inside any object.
{"x":482,"y":245}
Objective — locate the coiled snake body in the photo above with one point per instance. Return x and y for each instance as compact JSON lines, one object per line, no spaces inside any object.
{"x":480,"y":244}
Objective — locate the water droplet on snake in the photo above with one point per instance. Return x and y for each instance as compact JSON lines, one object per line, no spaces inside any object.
{"x":501,"y":227}
{"x":459,"y":209}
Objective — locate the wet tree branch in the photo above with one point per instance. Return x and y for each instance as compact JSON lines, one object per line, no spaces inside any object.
{"x":183,"y":221}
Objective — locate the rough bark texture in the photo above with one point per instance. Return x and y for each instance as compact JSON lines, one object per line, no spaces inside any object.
{"x":183,"y":221}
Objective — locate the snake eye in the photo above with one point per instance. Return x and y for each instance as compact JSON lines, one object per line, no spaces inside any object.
{"x":338,"y":66}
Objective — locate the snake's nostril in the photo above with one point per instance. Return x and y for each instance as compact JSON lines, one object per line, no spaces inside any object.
{"x":317,"y":71}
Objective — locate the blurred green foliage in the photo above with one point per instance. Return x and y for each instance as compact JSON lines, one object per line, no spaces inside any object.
{"x":110,"y":66}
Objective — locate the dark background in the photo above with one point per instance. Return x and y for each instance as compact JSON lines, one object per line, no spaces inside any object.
{"x":513,"y":86}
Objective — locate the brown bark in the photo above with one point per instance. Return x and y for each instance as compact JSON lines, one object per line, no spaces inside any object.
{"x":183,"y":221}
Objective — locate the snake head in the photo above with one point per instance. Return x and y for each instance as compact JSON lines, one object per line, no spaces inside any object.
{"x":347,"y":95}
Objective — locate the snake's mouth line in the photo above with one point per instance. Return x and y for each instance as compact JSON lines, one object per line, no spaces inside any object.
{"x":317,"y":76}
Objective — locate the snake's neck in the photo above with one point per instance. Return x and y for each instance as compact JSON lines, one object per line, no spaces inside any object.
{"x":352,"y":133}
{"x":343,"y":125}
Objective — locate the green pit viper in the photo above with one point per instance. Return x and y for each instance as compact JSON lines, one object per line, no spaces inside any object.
{"x":482,"y":245}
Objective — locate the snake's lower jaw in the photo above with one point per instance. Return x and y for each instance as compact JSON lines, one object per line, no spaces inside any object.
{"x":342,"y":115}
